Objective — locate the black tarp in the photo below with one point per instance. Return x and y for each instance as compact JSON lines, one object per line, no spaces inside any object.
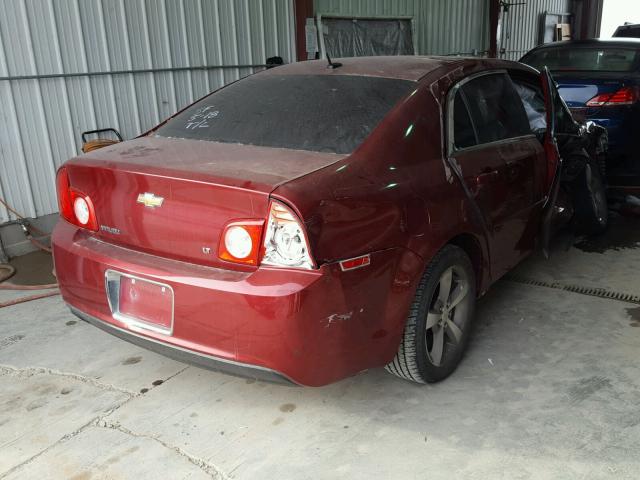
{"x":347,"y":37}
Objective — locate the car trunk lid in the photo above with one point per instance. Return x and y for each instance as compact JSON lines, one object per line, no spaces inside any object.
{"x":172,"y":197}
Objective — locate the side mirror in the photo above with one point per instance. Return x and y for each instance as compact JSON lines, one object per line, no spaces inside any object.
{"x":96,"y":143}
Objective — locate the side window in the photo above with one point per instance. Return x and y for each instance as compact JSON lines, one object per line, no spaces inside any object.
{"x":463,"y":134}
{"x":564,"y":120}
{"x":495,"y":107}
{"x":534,"y":106}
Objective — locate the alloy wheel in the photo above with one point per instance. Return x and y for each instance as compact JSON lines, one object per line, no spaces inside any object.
{"x":448,"y":315}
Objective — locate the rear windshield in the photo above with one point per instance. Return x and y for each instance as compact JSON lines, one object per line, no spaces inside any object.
{"x":323,"y":113}
{"x":585,"y":59}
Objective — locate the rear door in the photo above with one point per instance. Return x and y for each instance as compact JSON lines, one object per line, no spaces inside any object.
{"x":501,"y":162}
{"x":556,"y":115}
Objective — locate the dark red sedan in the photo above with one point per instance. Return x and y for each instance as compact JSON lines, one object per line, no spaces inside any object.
{"x":307,"y":223}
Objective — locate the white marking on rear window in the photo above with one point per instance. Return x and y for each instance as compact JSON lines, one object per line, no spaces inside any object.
{"x":200,"y":119}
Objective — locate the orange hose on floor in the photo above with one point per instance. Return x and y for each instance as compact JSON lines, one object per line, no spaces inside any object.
{"x":11,"y":270}
{"x":27,"y":299}
{"x":41,"y":246}
{"x":22,"y":217}
{"x":12,"y":286}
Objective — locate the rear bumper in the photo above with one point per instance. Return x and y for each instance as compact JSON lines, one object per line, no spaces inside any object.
{"x":186,"y":356}
{"x":311,"y":327}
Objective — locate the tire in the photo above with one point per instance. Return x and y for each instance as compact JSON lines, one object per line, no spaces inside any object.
{"x":590,"y":202}
{"x":417,"y":357}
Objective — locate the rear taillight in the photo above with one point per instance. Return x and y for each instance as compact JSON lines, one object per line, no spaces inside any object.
{"x":240,"y":242}
{"x":75,"y":207}
{"x":65,"y":205}
{"x":624,"y":96}
{"x":285,"y":241}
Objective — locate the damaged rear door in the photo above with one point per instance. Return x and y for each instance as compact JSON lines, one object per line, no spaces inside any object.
{"x":495,"y":155}
{"x":554,"y":160}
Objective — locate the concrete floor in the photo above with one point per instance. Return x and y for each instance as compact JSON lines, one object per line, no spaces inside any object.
{"x":550,"y":388}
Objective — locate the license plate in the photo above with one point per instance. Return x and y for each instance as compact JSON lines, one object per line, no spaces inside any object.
{"x":140,"y":303}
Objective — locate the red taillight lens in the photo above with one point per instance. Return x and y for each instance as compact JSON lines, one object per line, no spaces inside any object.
{"x":240,"y":242}
{"x":65,"y":204}
{"x":75,"y":206}
{"x":624,"y":96}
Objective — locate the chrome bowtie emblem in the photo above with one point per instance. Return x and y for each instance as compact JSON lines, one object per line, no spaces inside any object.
{"x":150,"y":200}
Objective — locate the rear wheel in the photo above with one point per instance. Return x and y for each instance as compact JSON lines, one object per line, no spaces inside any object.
{"x":437,"y":328}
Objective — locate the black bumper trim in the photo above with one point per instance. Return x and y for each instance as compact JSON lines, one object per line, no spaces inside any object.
{"x":187,"y":356}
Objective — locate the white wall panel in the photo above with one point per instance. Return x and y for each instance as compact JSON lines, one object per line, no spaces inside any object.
{"x":41,"y":118}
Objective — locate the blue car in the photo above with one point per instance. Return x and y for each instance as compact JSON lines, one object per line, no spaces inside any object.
{"x":600,"y":81}
{"x":628,"y":30}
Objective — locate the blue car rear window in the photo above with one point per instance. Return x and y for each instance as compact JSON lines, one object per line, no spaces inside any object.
{"x":605,"y":59}
{"x":323,"y":113}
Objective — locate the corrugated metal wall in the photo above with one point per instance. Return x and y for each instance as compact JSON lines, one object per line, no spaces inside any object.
{"x":522,"y":25}
{"x":41,"y":118}
{"x":443,"y":27}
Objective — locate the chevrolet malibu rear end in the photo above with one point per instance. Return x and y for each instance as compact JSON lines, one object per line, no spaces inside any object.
{"x":261,"y":231}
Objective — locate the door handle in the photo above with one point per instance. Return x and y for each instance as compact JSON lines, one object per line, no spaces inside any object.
{"x":487,"y":177}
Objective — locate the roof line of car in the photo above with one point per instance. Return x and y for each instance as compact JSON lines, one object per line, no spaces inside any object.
{"x":626,"y":42}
